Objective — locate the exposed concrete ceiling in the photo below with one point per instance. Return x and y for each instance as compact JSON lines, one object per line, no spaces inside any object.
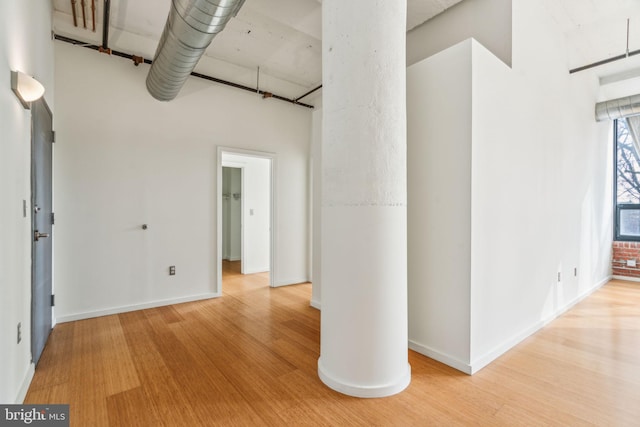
{"x":282,"y":37}
{"x":596,"y":29}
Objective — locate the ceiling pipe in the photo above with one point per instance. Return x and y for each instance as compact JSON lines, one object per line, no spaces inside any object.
{"x":105,"y":27}
{"x":84,"y":13}
{"x":93,"y":14}
{"x":618,"y":108}
{"x":139,"y":60}
{"x":604,"y":61}
{"x":73,"y":12}
{"x":190,"y":28}
{"x":625,"y":55}
{"x":308,"y":93}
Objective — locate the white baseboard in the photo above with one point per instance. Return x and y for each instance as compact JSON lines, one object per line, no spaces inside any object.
{"x":134,"y":307}
{"x":316,"y":304}
{"x":257,"y":270}
{"x":490,"y":356}
{"x":440,"y":357}
{"x":482,"y":361}
{"x":364,"y":390}
{"x":26,"y":382}
{"x":627,"y":279}
{"x":299,"y":281}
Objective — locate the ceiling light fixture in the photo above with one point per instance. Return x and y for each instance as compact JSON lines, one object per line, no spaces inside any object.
{"x":26,"y":88}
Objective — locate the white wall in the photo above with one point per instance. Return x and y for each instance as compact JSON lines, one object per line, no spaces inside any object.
{"x":554,"y":180}
{"x":315,"y":161}
{"x":488,"y":21}
{"x":255,"y":190}
{"x":124,"y":159}
{"x":540,"y":192}
{"x":439,"y":214}
{"x":25,"y":45}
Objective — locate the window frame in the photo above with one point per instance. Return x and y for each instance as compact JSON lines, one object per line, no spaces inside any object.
{"x":618,"y":208}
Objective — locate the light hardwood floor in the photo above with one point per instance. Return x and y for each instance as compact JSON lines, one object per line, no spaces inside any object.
{"x":249,"y":358}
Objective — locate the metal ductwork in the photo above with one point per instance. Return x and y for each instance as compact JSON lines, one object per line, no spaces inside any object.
{"x":190,"y":28}
{"x":618,"y":108}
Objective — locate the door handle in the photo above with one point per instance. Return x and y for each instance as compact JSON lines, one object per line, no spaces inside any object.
{"x":37,"y":235}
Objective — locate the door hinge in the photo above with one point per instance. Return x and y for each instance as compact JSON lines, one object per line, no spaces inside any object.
{"x":53,"y":300}
{"x":53,"y":136}
{"x":53,"y":218}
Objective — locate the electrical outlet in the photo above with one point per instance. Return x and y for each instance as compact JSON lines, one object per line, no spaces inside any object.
{"x":19,"y":332}
{"x":172,"y":270}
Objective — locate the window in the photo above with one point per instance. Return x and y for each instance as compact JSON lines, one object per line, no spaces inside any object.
{"x":627,"y":194}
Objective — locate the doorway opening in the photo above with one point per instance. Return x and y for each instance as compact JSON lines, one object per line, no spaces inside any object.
{"x":245,"y":226}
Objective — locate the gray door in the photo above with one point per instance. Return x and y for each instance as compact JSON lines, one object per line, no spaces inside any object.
{"x":42,"y":221}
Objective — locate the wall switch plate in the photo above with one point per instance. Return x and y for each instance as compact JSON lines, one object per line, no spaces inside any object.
{"x":631,"y":263}
{"x":172,"y":270}
{"x":19,"y":332}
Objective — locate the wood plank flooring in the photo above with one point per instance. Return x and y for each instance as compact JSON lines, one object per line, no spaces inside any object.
{"x":250,"y":359}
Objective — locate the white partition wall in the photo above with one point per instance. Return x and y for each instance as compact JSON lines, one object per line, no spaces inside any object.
{"x":439,"y":116}
{"x":509,"y":190}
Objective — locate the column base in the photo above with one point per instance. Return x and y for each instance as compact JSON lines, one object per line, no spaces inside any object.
{"x":368,"y":391}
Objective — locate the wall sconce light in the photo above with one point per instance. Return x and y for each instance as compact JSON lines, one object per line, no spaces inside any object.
{"x":26,"y":88}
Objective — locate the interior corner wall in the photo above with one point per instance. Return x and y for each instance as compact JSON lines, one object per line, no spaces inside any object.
{"x":439,"y":208}
{"x":542,"y":182}
{"x":124,"y":159}
{"x":488,"y":21}
{"x":25,"y":45}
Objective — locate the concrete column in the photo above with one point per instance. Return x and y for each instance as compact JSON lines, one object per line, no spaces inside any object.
{"x":364,"y":339}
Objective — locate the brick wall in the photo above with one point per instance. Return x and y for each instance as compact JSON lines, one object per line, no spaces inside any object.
{"x":623,"y":252}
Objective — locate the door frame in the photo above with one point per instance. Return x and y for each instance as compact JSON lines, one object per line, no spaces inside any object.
{"x":273,"y":255}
